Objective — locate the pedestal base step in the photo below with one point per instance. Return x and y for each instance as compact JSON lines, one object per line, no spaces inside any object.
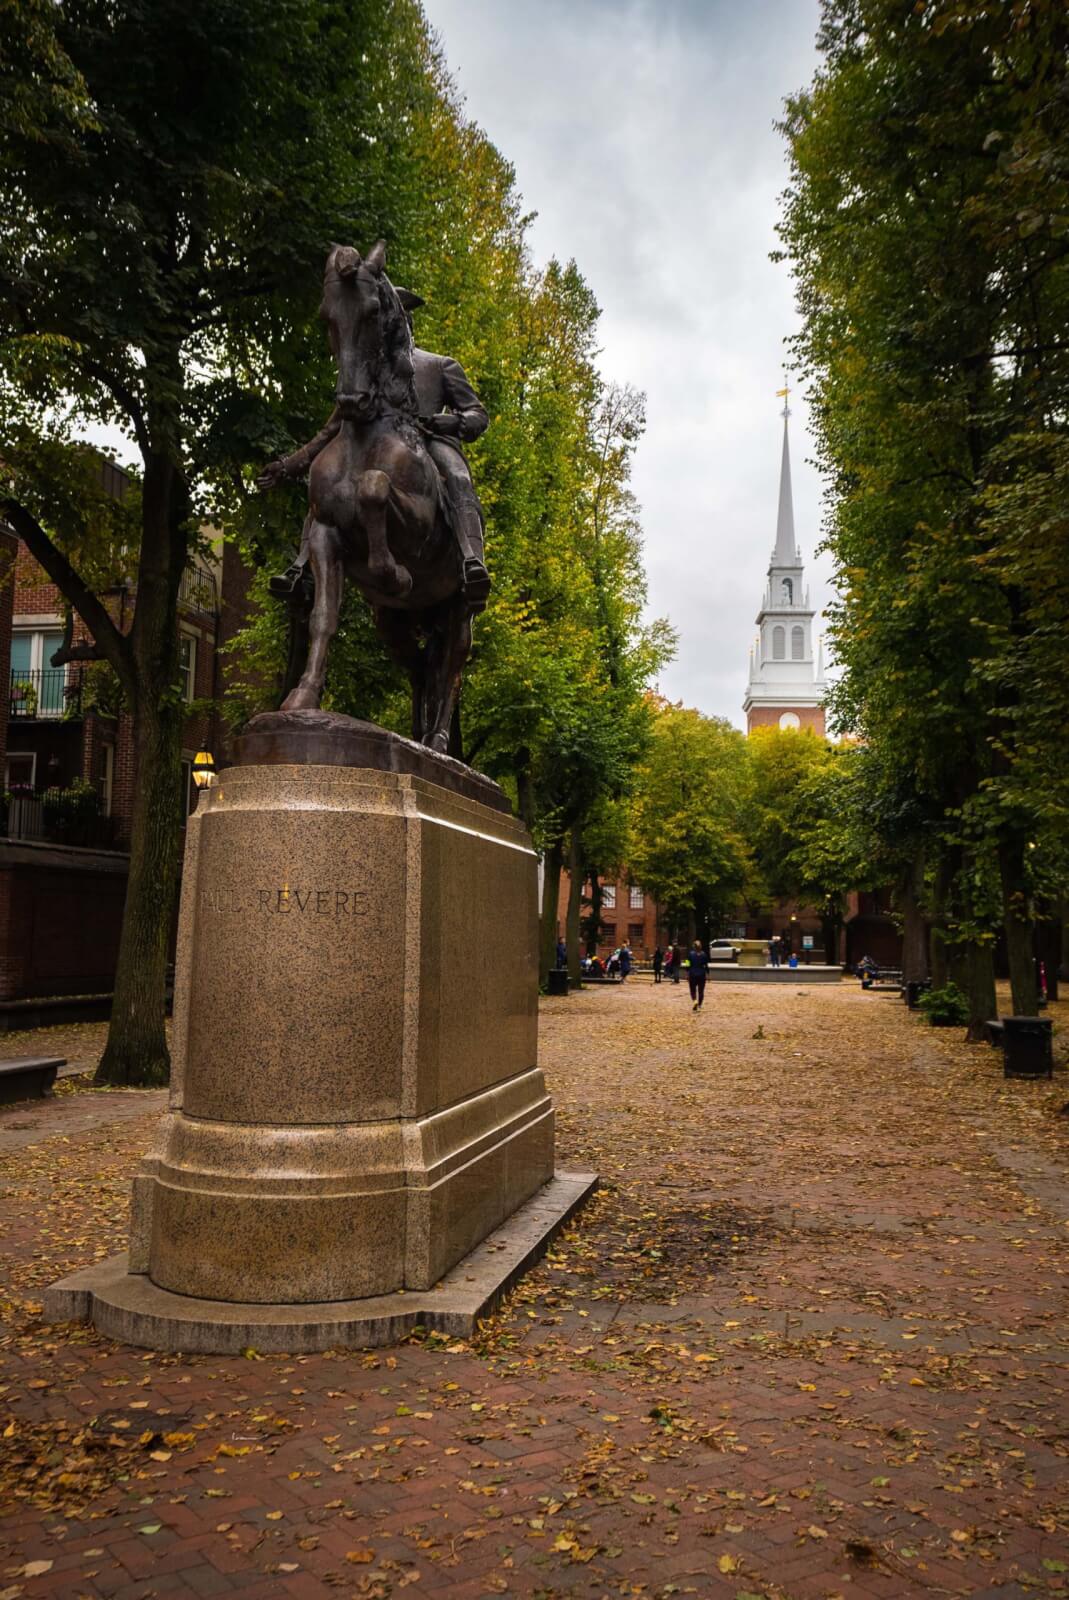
{"x":130,"y":1308}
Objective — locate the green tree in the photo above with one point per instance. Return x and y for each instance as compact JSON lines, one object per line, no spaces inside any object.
{"x":925,"y":226}
{"x":163,"y":221}
{"x":801,"y":831}
{"x":688,"y":840}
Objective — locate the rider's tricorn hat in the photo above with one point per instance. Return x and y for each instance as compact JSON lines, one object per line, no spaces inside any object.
{"x":409,"y":301}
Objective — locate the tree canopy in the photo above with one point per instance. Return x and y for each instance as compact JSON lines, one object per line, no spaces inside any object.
{"x":925,"y":224}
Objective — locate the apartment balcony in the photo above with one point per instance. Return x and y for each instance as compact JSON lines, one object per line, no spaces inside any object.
{"x":198,"y":591}
{"x":46,"y":694}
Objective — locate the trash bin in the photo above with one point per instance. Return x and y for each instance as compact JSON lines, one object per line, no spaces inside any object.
{"x":1027,"y":1045}
{"x":558,"y":981}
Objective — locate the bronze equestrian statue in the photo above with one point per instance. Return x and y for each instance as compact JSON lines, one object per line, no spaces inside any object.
{"x":391,"y":502}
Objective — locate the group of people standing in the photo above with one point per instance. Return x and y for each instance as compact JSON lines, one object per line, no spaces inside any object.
{"x":780,"y":951}
{"x":671,"y":962}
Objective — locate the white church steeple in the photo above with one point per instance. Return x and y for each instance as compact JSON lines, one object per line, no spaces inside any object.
{"x":786,"y":685}
{"x":786,"y":549}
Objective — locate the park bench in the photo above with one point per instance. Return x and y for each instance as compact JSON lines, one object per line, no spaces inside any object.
{"x":883,"y":978}
{"x":28,"y":1077}
{"x":590,"y":977}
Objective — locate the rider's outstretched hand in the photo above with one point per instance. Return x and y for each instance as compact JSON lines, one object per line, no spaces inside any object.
{"x":272,"y":475}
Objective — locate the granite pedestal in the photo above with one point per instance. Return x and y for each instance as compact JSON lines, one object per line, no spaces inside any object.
{"x":356,"y":1101}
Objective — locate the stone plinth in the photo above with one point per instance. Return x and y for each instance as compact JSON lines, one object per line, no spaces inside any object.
{"x":356,"y":1101}
{"x":129,"y":1306}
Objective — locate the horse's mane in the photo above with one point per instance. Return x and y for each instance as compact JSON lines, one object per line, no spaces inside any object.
{"x":396,"y":381}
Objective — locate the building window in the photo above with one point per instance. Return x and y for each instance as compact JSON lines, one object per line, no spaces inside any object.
{"x":608,"y":897}
{"x":636,"y":899}
{"x":187,"y":665}
{"x":635,"y":931}
{"x":797,"y":644}
{"x":188,"y":803}
{"x":20,"y":770}
{"x":788,"y":591}
{"x":779,"y":644}
{"x":37,"y":687}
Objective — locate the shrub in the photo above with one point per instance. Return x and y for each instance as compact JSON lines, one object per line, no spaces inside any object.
{"x":946,"y":1007}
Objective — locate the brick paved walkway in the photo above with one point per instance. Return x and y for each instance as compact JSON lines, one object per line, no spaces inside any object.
{"x":803,"y":1344}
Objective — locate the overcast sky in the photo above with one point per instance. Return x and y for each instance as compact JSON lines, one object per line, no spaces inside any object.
{"x":641,"y":132}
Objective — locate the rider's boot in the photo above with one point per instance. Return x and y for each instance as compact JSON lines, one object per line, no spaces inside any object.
{"x":284,"y":585}
{"x":475,"y":581}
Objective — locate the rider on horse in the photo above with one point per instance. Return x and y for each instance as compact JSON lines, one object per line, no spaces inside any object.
{"x":450,"y":413}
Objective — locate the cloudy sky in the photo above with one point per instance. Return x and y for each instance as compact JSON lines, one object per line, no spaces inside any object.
{"x":641,"y":132}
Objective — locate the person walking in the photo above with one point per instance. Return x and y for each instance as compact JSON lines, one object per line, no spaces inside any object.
{"x":773,"y":950}
{"x":699,"y":967}
{"x":625,"y":961}
{"x":658,"y":963}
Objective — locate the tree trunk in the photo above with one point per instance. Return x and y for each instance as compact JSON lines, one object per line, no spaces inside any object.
{"x":524,"y":789}
{"x":597,"y":895}
{"x":1019,"y":924}
{"x":553,"y":860}
{"x":980,"y":989}
{"x":937,"y":954}
{"x":575,"y":903}
{"x":1049,"y":950}
{"x":136,"y":1052}
{"x":914,"y":930}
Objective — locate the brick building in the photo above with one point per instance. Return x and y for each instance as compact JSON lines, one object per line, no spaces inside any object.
{"x":628,"y":914}
{"x":70,"y":773}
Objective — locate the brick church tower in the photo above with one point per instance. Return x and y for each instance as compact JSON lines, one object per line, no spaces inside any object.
{"x":786,"y":687}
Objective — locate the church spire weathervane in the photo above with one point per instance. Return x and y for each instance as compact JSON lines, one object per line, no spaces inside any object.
{"x":784,"y":395}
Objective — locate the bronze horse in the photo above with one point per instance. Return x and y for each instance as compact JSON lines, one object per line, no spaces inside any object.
{"x":377,"y":511}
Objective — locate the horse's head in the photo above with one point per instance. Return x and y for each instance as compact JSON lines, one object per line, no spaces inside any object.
{"x":368,"y":333}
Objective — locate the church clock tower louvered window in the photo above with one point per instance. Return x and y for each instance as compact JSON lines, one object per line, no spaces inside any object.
{"x":786,"y":687}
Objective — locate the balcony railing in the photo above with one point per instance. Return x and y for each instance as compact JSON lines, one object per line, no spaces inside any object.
{"x":52,"y":692}
{"x":197,"y":591}
{"x":56,"y":816}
